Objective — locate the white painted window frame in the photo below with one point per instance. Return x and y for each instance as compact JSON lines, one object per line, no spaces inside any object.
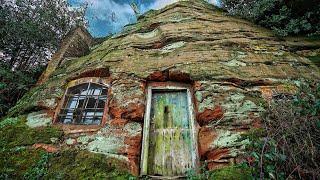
{"x":146,"y":125}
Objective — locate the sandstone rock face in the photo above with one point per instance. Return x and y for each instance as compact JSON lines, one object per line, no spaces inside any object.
{"x":233,"y":66}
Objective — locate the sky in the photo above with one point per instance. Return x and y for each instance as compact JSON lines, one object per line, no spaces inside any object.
{"x":107,"y":17}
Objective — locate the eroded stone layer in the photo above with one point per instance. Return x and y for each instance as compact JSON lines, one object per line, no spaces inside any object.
{"x":234,"y":67}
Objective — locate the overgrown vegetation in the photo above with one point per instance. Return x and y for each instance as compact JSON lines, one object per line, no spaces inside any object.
{"x":15,"y":133}
{"x":30,"y":32}
{"x":290,"y":147}
{"x":295,"y":17}
{"x":14,"y":84}
{"x":286,"y":147}
{"x":27,"y":163}
{"x":32,"y":29}
{"x":16,"y":162}
{"x":241,"y":171}
{"x":19,"y":160}
{"x":16,"y":139}
{"x":73,"y":164}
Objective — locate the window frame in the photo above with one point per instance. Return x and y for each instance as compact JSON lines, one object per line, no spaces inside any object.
{"x":83,"y":127}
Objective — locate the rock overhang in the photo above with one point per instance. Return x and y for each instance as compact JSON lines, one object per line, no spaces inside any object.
{"x":194,"y":38}
{"x":233,"y":66}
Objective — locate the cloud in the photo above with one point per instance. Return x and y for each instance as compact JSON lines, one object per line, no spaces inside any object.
{"x":105,"y":8}
{"x":215,"y":2}
{"x":110,"y":16}
{"x":107,"y":16}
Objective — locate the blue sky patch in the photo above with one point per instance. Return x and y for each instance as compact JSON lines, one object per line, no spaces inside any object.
{"x":110,"y":16}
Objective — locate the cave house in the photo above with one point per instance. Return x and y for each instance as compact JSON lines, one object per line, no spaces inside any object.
{"x":173,"y":92}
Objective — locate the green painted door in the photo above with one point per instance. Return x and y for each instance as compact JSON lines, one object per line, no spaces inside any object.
{"x":170,"y":144}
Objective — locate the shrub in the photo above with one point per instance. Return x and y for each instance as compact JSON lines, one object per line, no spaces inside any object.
{"x":291,"y":147}
{"x":14,"y":84}
{"x":283,"y":17}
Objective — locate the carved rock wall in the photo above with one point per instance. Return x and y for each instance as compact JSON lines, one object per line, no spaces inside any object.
{"x":234,"y":67}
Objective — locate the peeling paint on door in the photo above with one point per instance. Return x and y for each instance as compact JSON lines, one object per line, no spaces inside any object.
{"x":170,"y":134}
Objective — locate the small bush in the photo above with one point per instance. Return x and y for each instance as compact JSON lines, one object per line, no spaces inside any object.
{"x":285,"y":18}
{"x":14,"y":84}
{"x":291,"y":147}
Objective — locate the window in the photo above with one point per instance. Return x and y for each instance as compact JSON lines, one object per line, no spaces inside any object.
{"x":84,"y":104}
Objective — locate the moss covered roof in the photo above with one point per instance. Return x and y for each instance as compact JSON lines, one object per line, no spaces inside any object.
{"x":192,"y":37}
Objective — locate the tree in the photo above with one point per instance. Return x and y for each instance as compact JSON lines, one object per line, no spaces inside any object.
{"x":30,"y":32}
{"x":294,"y":17}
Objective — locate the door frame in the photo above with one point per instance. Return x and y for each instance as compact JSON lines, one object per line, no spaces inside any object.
{"x":146,"y":125}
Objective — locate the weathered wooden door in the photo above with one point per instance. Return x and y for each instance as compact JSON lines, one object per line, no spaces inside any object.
{"x":171,"y":150}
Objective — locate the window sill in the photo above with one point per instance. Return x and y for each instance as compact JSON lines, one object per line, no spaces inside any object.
{"x":74,"y":129}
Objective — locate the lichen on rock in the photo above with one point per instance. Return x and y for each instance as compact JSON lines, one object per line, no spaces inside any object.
{"x":232,"y":67}
{"x":38,"y":119}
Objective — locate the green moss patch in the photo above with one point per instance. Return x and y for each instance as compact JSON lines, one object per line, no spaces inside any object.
{"x":232,"y":172}
{"x":14,"y":163}
{"x":235,"y":172}
{"x":16,"y":139}
{"x":315,"y":60}
{"x":254,"y":134}
{"x":72,"y":164}
{"x":8,"y":121}
{"x":19,"y":134}
{"x":25,"y":163}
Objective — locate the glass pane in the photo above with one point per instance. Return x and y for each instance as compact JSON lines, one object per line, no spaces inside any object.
{"x":84,"y":104}
{"x":85,"y":92}
{"x":77,"y":116}
{"x":97,"y":120}
{"x":88,"y":120}
{"x":90,"y":91}
{"x":90,"y":113}
{"x":65,"y":116}
{"x":98,"y":116}
{"x":81,"y":102}
{"x":104,"y":91}
{"x":97,"y":90}
{"x":66,"y":112}
{"x":66,"y":120}
{"x":72,"y":102}
{"x":80,"y":89}
{"x":91,"y":102}
{"x":99,"y":113}
{"x":92,"y":88}
{"x":101,"y":103}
